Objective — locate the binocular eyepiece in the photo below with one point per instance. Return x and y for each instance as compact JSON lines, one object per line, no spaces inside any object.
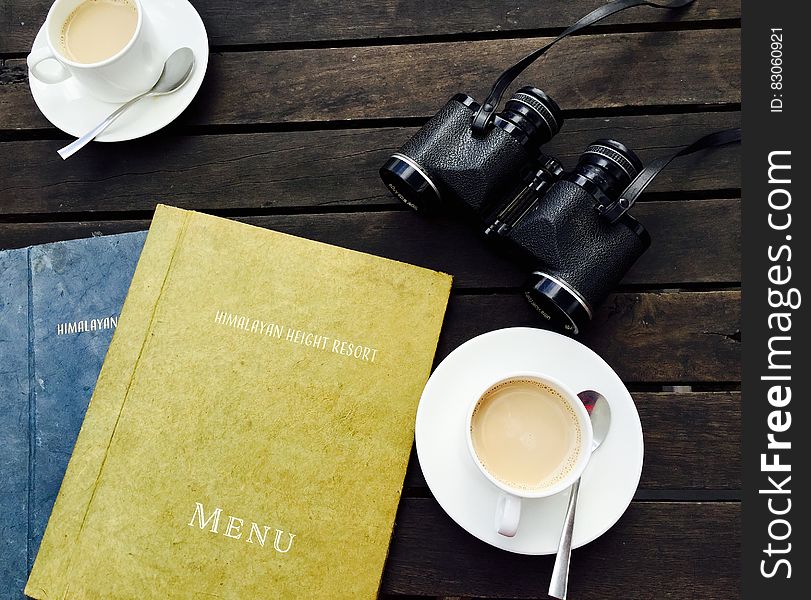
{"x":606,"y":168}
{"x":530,"y":116}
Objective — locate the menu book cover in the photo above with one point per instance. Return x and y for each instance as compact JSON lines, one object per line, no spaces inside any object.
{"x":59,"y":304}
{"x":249,"y":432}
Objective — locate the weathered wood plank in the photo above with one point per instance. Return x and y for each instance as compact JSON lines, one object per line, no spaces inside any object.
{"x":657,"y":550}
{"x":679,"y":428}
{"x":705,"y":343}
{"x":307,"y":168}
{"x":233,"y":22}
{"x":589,"y":72}
{"x":684,"y":234}
{"x":645,"y":337}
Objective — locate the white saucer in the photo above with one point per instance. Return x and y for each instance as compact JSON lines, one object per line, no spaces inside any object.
{"x":609,"y":482}
{"x":69,"y":107}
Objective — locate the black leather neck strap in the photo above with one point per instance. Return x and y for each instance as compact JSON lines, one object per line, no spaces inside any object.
{"x":485,"y":113}
{"x":614,"y":211}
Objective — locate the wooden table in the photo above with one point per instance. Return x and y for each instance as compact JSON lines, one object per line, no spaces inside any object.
{"x":302,"y":103}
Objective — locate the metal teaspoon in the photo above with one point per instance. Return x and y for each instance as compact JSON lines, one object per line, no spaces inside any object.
{"x":177,"y":71}
{"x":600,"y":412}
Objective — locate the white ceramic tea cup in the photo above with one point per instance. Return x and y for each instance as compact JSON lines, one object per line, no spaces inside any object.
{"x":131,"y":71}
{"x":508,"y":507}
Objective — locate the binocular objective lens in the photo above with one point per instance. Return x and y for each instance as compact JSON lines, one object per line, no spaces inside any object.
{"x":410,"y":183}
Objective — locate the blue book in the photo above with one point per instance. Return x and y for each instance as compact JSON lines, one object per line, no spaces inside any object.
{"x":59,"y":305}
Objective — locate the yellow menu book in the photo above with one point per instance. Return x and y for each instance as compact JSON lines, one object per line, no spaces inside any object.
{"x":249,"y":432}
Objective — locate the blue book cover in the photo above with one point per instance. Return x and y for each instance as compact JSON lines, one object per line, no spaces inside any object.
{"x":59,"y":305}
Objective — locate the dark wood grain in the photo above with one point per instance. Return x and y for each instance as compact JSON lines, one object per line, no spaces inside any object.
{"x":681,"y":231}
{"x":307,"y":169}
{"x":335,"y":84}
{"x":235,"y":22}
{"x":679,"y":429}
{"x":657,"y":550}
{"x":645,"y":337}
{"x":705,"y":329}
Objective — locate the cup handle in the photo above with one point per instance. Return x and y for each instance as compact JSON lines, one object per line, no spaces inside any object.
{"x":508,"y":513}
{"x":39,"y":56}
